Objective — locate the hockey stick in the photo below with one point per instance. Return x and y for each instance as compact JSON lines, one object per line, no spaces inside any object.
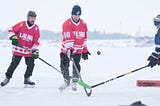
{"x":81,"y":81}
{"x":93,"y":86}
{"x":44,"y":61}
{"x":60,"y":71}
{"x":130,"y":72}
{"x":50,"y":65}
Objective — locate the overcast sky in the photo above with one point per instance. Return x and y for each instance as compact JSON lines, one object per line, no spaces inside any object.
{"x":125,"y":16}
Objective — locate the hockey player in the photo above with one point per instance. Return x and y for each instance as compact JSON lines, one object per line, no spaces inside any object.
{"x":154,"y":58}
{"x":74,"y":39}
{"x":24,"y":36}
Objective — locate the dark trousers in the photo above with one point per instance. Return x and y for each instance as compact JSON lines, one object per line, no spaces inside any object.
{"x":64,"y":65}
{"x":15,"y":62}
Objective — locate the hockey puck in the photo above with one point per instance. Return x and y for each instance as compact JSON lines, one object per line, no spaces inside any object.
{"x":98,"y":53}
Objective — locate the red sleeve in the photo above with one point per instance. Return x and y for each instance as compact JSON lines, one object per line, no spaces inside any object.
{"x":36,"y":38}
{"x":67,"y":32}
{"x":14,"y":29}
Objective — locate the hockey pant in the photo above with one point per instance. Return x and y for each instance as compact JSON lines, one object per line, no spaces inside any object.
{"x":29,"y":61}
{"x":64,"y":65}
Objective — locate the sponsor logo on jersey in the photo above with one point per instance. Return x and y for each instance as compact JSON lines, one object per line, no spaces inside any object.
{"x":26,"y":37}
{"x":79,"y":34}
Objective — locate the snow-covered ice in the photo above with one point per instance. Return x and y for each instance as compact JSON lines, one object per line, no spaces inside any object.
{"x":111,"y":62}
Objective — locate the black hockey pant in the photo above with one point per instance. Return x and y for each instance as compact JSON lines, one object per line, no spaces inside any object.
{"x":64,"y":65}
{"x":15,"y":61}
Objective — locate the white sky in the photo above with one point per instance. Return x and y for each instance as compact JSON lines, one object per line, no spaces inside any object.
{"x":125,"y":16}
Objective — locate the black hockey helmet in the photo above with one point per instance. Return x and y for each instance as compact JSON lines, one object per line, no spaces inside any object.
{"x":31,"y":14}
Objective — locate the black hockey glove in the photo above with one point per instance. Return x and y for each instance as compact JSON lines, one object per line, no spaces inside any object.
{"x":35,"y":54}
{"x":14,"y":39}
{"x":154,"y":59}
{"x":85,"y":55}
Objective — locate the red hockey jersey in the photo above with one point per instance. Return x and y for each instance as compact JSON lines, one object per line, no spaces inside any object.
{"x":27,"y":38}
{"x":74,"y":37}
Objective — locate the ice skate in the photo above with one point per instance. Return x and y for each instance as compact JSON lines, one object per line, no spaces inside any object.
{"x":64,"y":86}
{"x":5,"y":82}
{"x":28,"y":83}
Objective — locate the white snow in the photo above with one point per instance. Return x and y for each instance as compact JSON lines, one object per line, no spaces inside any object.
{"x":111,"y":62}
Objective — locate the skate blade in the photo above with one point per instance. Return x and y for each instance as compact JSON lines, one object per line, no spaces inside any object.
{"x":73,"y":87}
{"x":63,"y":90}
{"x":29,"y":86}
{"x":74,"y":90}
{"x":2,"y":86}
